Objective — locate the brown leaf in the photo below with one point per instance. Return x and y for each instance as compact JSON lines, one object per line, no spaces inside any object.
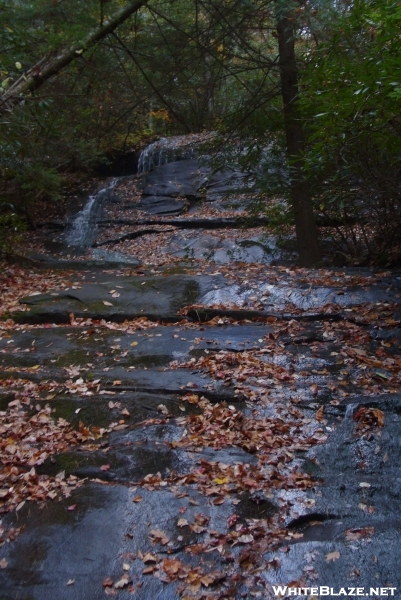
{"x":159,"y":537}
{"x":207,"y":580}
{"x":319,"y":414}
{"x":122,"y":583}
{"x":197,"y":528}
{"x":332,"y":556}
{"x":149,"y":558}
{"x":182,"y":522}
{"x":358,"y":533}
{"x":149,"y":570}
{"x":171,"y":566}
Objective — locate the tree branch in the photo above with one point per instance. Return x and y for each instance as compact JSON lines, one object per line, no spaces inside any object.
{"x":48,"y":67}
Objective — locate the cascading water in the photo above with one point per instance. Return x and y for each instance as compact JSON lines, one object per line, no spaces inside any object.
{"x":82,"y":230}
{"x":350,"y":410}
{"x":171,"y":149}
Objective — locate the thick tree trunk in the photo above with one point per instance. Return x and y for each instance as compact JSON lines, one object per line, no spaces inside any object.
{"x":305,"y":226}
{"x":47,"y":67}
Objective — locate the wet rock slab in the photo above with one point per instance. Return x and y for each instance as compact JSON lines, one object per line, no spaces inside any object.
{"x":91,"y":543}
{"x":302,"y":296}
{"x":355,"y":510}
{"x":161,"y":297}
{"x":162,"y":205}
{"x":194,"y":180}
{"x":220,"y":248}
{"x":152,"y":297}
{"x":182,"y":178}
{"x":142,"y":349}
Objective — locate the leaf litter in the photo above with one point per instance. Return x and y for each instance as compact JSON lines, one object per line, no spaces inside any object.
{"x":30,"y":434}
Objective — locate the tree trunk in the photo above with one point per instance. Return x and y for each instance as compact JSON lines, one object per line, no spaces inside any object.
{"x":47,"y":67}
{"x":305,"y":226}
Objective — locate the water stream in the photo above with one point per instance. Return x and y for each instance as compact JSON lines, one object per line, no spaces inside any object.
{"x":83,"y":226}
{"x":168,"y":150}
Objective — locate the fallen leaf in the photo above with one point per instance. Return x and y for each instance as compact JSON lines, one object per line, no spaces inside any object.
{"x":122,"y":583}
{"x":221,"y":480}
{"x":358,"y":533}
{"x":159,"y":537}
{"x":182,"y":522}
{"x":149,"y":558}
{"x":171,"y":566}
{"x":332,"y":556}
{"x":245,"y":538}
{"x":319,"y":414}
{"x":149,"y":570}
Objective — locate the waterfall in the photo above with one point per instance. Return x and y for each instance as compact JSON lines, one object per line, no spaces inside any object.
{"x":350,"y":410}
{"x":83,"y":226}
{"x":168,"y":150}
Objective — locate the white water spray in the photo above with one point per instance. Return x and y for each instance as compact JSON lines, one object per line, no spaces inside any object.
{"x":84,"y":225}
{"x":171,"y":149}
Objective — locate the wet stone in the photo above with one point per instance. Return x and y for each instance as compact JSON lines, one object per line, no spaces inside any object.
{"x":182,"y":178}
{"x":162,"y":205}
{"x":155,"y":298}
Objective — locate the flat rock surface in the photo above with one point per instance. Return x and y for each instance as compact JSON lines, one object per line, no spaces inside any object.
{"x":122,"y":298}
{"x":134,"y":382}
{"x":162,"y":205}
{"x":182,"y":178}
